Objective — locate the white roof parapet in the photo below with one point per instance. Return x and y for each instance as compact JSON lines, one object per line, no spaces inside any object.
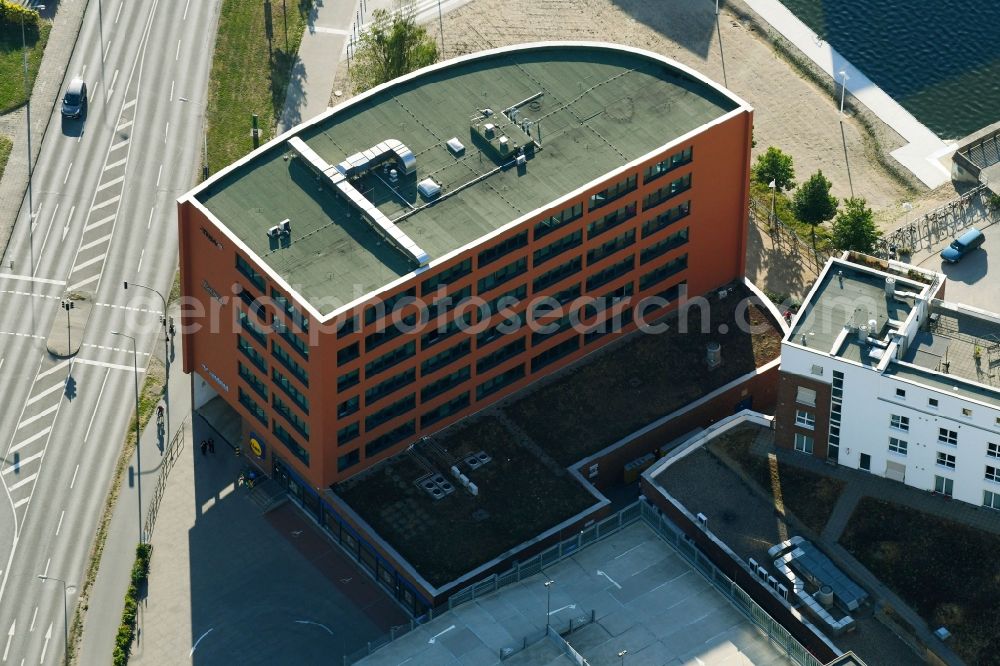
{"x":375,"y":218}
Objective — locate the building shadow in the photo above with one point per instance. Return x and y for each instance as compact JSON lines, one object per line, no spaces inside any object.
{"x":689,"y":24}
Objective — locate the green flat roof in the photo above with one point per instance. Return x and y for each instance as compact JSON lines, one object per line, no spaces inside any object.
{"x":600,"y":108}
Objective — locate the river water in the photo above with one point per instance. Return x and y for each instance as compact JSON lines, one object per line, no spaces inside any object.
{"x":940,"y":59}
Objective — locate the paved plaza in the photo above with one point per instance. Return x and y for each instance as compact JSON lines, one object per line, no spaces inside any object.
{"x":646,"y":599}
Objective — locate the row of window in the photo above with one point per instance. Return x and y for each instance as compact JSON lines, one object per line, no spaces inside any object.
{"x":902,"y":424}
{"x":933,"y":403}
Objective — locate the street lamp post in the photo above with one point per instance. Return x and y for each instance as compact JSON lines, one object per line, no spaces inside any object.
{"x":166,"y":350}
{"x":622,"y":655}
{"x":66,"y":589}
{"x":548,"y":602}
{"x":843,"y":89}
{"x":138,"y":444}
{"x":68,"y":305}
{"x":27,"y":109}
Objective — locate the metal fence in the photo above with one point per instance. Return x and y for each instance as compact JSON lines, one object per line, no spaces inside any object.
{"x":943,"y":222}
{"x":170,"y":453}
{"x":784,"y":236}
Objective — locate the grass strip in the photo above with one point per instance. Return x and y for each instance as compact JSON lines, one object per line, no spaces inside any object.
{"x":12,"y":61}
{"x":249,"y":75}
{"x":126,"y":630}
{"x":6,"y":145}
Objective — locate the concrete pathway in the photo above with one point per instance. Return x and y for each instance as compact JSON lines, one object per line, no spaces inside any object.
{"x":66,"y":16}
{"x":923,"y":151}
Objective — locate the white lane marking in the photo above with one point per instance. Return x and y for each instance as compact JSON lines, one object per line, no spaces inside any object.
{"x":41,"y":250}
{"x":123,"y":142}
{"x":166,"y":131}
{"x":23,"y":482}
{"x":10,"y":636}
{"x":186,"y":5}
{"x":96,"y":405}
{"x":105,"y":56}
{"x":193,"y":647}
{"x":106,"y":202}
{"x":172,"y":91}
{"x":73,"y":482}
{"x":54,"y":369}
{"x":30,"y":278}
{"x":21,"y":502}
{"x":119,"y":12}
{"x":83,"y":73}
{"x":330,"y":31}
{"x":114,"y":79}
{"x":23,"y":335}
{"x":68,"y":169}
{"x":122,"y":307}
{"x":102,"y":364}
{"x":89,"y":262}
{"x":68,"y":220}
{"x":129,"y":104}
{"x":115,"y":164}
{"x":94,"y":242}
{"x":45,"y":645}
{"x":47,"y":563}
{"x":316,"y":624}
{"x":59,"y":526}
{"x":34,"y":616}
{"x":51,"y":389}
{"x":118,"y":349}
{"x":434,"y":638}
{"x":22,"y":463}
{"x":20,"y":445}
{"x":571,"y":607}
{"x":124,"y":125}
{"x":34,"y":418}
{"x":158,"y":174}
{"x":103,"y":220}
{"x":110,"y":183}
{"x":149,"y":222}
{"x":84,"y":282}
{"x":141,"y":254}
{"x":178,"y":53}
{"x":601,"y":573}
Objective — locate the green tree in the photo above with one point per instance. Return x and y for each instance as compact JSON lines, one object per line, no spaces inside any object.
{"x":813,"y":204}
{"x":392,"y":46}
{"x":777,"y":166}
{"x":854,"y":227}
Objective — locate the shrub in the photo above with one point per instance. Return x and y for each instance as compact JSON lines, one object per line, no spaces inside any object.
{"x":126,"y":630}
{"x":12,"y":14}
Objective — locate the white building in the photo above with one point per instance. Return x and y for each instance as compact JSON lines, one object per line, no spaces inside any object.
{"x":879,"y":374}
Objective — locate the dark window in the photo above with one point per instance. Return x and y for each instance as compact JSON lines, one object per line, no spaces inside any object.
{"x":454,"y":405}
{"x":547,"y":330}
{"x":385,"y":307}
{"x":610,"y":273}
{"x":389,"y":359}
{"x":445,"y":331}
{"x":448,"y":303}
{"x":611,"y":220}
{"x":442,"y":359}
{"x":286,"y":360}
{"x":556,"y":274}
{"x":558,"y":247}
{"x":667,"y":165}
{"x":660,"y":274}
{"x":505,"y":353}
{"x":503,"y":248}
{"x":563,"y":217}
{"x":282,"y":408}
{"x":252,"y":405}
{"x":348,"y":380}
{"x":386,"y":387}
{"x":255,"y":383}
{"x":348,"y":460}
{"x":250,"y":327}
{"x":667,"y":191}
{"x":507,"y":326}
{"x":616,"y":191}
{"x":444,"y":384}
{"x":289,"y":388}
{"x":508,"y":299}
{"x":348,"y":407}
{"x":251,"y":353}
{"x":252,"y":302}
{"x":347,"y":326}
{"x":348,"y":353}
{"x":297,"y":343}
{"x":286,"y":438}
{"x":390,"y":332}
{"x":614,"y":245}
{"x":612,"y":297}
{"x":553,"y":354}
{"x":244,"y":267}
{"x":347,"y":433}
{"x":672,"y":241}
{"x":294,"y":314}
{"x":447,"y":276}
{"x":497,"y":278}
{"x":494,"y":384}
{"x":670,"y":294}
{"x":666,"y":218}
{"x":394,"y":436}
{"x":390,"y":412}
{"x":568,"y":294}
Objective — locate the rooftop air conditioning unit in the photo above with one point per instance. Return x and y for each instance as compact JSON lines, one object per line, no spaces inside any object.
{"x":274,"y":231}
{"x":702,"y":519}
{"x":521,"y":160}
{"x":428,"y":188}
{"x":483,"y":457}
{"x":473,"y":462}
{"x":455,"y":146}
{"x":286,"y":226}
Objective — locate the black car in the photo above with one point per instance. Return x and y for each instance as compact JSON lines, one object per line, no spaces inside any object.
{"x":74,"y":104}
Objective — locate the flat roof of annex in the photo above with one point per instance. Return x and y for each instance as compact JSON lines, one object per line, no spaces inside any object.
{"x":602,"y":109}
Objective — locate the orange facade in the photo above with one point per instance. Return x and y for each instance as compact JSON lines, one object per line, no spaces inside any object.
{"x":329,"y":401}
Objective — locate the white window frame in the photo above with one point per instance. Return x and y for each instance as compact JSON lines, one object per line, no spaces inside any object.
{"x":993,"y":450}
{"x":804,"y":443}
{"x":899,"y":422}
{"x":991,"y":500}
{"x":947,"y":437}
{"x":804,"y":419}
{"x":898,"y":446}
{"x":946,"y":460}
{"x":901,"y":393}
{"x":992,"y":474}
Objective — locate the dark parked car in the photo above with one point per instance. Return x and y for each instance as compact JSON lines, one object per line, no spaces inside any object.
{"x":74,"y":104}
{"x":963,"y":245}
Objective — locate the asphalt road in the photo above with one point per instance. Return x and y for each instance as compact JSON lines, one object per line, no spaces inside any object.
{"x":104,"y":191}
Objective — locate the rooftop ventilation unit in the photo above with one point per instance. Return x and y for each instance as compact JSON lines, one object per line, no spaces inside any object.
{"x":428,"y":188}
{"x":521,"y":160}
{"x":274,"y":231}
{"x":455,"y":146}
{"x":286,"y":226}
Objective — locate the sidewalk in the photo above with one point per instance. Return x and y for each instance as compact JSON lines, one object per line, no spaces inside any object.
{"x":47,"y":89}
